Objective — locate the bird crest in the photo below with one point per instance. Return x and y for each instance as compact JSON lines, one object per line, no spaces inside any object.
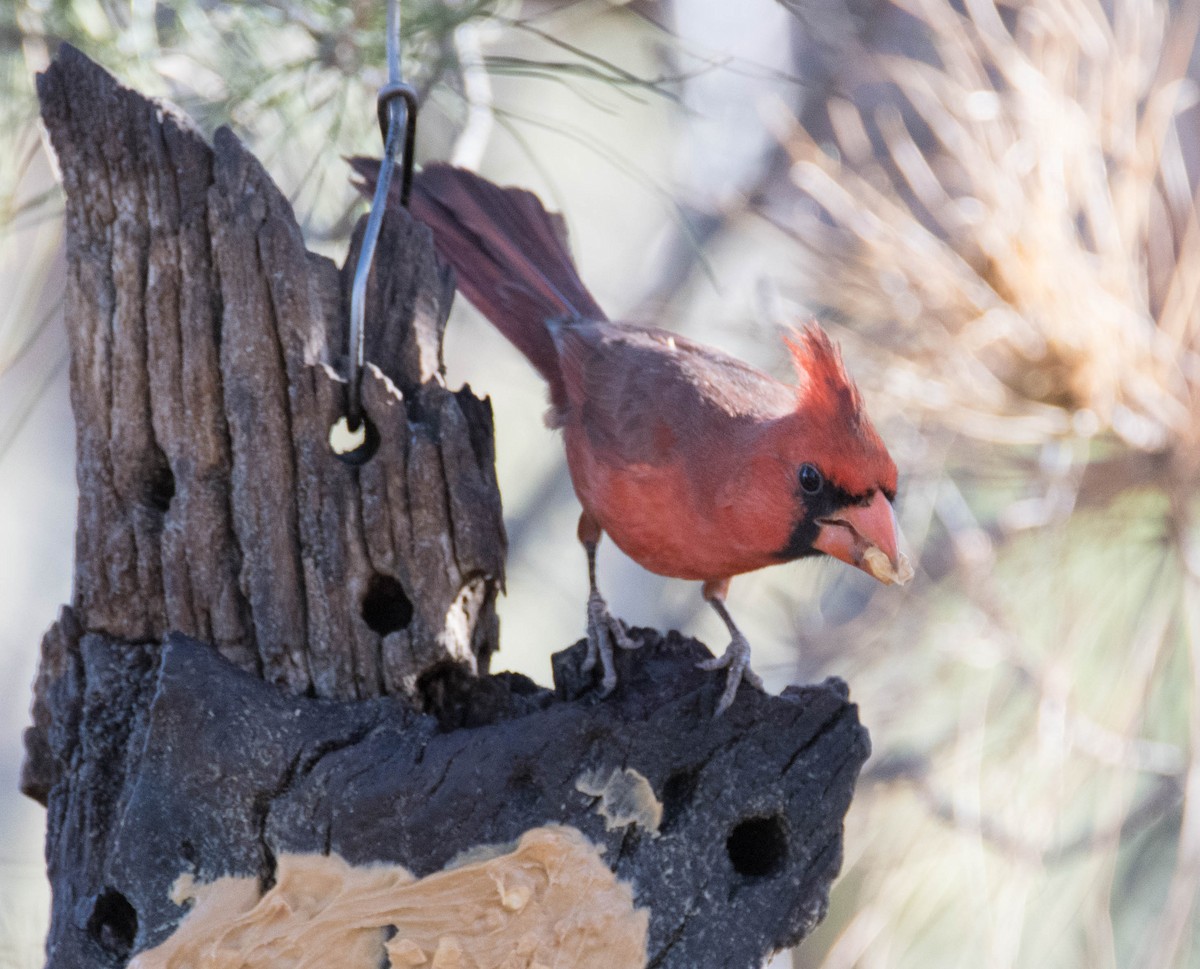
{"x":824,"y":386}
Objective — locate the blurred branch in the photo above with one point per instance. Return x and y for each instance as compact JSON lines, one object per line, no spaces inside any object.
{"x":596,"y":67}
{"x":913,"y":769}
{"x":1162,"y":946}
{"x":471,"y":142}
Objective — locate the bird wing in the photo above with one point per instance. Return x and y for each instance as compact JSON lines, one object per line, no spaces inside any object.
{"x":644,"y":394}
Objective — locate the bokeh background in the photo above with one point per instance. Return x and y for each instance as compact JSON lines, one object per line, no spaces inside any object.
{"x":993,"y":207}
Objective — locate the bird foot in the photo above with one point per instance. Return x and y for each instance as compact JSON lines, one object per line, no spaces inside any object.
{"x":736,"y":659}
{"x":603,"y":631}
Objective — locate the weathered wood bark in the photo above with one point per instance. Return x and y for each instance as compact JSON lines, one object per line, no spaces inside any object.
{"x":210,"y":772}
{"x":268,"y":650}
{"x":204,"y":343}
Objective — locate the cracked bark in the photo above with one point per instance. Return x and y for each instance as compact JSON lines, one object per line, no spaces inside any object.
{"x":268,"y":650}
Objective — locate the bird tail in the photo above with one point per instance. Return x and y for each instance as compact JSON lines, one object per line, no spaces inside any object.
{"x":509,"y":255}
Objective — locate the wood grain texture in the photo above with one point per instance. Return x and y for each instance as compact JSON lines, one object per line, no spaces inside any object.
{"x":205,"y":341}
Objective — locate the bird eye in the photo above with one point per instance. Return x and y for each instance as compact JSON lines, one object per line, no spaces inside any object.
{"x":810,"y":479}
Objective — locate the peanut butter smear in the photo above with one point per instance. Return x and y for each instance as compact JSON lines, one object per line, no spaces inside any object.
{"x":549,"y":903}
{"x":626,"y":797}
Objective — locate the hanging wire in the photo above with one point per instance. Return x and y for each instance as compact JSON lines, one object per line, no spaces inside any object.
{"x":397,"y":110}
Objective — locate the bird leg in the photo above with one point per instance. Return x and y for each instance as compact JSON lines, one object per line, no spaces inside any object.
{"x":603,"y":629}
{"x":736,"y":658}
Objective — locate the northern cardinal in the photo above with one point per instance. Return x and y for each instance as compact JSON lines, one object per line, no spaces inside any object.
{"x":696,"y":464}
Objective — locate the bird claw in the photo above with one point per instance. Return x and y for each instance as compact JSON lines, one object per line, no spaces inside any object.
{"x":603,"y":630}
{"x":736,"y":659}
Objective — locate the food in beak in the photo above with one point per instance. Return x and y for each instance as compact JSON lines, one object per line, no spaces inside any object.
{"x":866,"y":537}
{"x":877,"y":563}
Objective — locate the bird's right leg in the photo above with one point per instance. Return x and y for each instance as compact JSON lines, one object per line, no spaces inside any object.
{"x":603,"y":629}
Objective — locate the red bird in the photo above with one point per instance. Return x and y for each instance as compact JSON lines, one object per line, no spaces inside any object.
{"x":696,"y":464}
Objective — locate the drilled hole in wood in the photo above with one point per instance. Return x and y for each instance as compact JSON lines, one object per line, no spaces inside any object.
{"x":386,"y":607}
{"x":354,"y":447}
{"x":758,"y":846}
{"x":160,"y":489}
{"x":677,"y":796}
{"x":113,"y":922}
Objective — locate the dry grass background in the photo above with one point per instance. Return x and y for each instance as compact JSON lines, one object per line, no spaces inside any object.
{"x":994,"y":206}
{"x":1008,"y":237}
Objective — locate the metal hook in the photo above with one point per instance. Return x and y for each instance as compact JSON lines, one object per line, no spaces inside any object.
{"x":397,"y":110}
{"x":388,"y":95}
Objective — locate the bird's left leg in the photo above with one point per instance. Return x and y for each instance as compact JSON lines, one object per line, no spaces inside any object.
{"x":603,"y":629}
{"x":736,"y":657}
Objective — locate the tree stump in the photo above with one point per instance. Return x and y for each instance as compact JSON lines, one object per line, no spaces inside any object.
{"x":272,"y":657}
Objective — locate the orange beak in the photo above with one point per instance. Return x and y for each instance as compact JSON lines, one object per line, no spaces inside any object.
{"x":865,"y":536}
